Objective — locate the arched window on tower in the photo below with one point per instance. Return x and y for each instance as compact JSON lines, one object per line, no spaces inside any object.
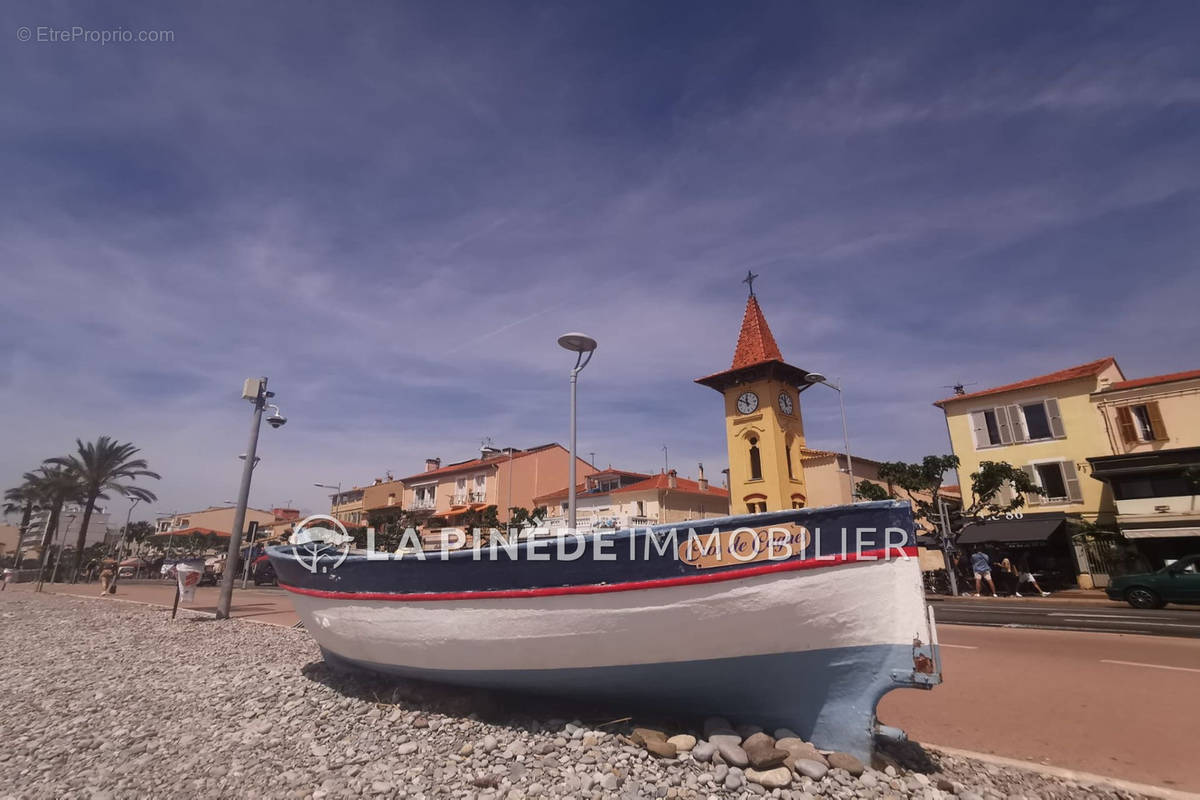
{"x":755,"y":460}
{"x":787,"y":454}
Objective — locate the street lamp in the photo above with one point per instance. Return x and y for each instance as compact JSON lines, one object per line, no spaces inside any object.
{"x":816,"y":377}
{"x":62,"y":544}
{"x":112,"y":587}
{"x":254,"y":390}
{"x":583,"y":346}
{"x":337,"y":498}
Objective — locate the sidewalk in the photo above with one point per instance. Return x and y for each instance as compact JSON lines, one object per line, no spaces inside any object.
{"x":1086,"y":597}
{"x":256,"y":604}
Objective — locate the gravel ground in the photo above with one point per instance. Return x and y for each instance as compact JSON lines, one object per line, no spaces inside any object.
{"x":104,"y":699}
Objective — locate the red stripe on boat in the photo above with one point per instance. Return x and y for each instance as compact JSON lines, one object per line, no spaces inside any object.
{"x":600,"y":588}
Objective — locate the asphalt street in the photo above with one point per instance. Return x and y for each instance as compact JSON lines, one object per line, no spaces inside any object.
{"x":1046,"y":614}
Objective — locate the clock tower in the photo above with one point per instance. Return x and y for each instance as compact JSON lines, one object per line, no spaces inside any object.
{"x":763,"y":429}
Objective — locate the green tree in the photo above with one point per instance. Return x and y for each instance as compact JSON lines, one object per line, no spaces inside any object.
{"x":100,"y":467}
{"x":519,"y":517}
{"x":137,"y":533}
{"x":24,"y":499}
{"x":53,"y":486}
{"x":924,"y":480}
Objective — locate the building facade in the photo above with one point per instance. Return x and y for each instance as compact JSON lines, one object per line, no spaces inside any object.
{"x":618,"y":499}
{"x":504,"y":478}
{"x":1153,"y":429}
{"x":764,"y":432}
{"x":214,"y":518}
{"x":1047,"y":426}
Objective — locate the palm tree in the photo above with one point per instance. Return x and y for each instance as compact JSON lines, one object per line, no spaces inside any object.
{"x":52,"y":487}
{"x":101,"y":467}
{"x":21,"y":498}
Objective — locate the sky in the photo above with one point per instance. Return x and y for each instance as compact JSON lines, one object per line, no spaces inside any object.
{"x":393,"y":210}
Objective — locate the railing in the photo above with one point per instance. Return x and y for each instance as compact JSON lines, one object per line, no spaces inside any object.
{"x":423,"y":505}
{"x":478,"y":497}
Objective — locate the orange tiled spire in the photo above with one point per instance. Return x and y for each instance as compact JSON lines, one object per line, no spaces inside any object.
{"x":755,"y":342}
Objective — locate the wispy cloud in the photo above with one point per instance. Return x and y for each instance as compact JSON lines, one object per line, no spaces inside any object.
{"x":394,"y":213}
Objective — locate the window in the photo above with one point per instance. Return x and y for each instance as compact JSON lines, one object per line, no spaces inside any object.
{"x":480,"y":491}
{"x":641,"y":508}
{"x":1013,"y":424}
{"x":756,"y":507}
{"x":797,"y":504}
{"x":1058,"y":479}
{"x":424,"y":496}
{"x":1141,"y":423}
{"x":1037,"y":421}
{"x":1163,"y":484}
{"x":755,"y":462}
{"x":993,"y":427}
{"x":787,"y":453}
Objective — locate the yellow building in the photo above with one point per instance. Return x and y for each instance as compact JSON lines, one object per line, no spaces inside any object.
{"x":763,"y":428}
{"x":1153,"y":430}
{"x":1047,"y":426}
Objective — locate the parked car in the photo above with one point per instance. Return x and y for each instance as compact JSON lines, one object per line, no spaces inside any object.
{"x":263,"y":572}
{"x":1174,"y":583}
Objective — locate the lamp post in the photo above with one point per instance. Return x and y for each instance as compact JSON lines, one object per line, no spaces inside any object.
{"x":254,"y":390}
{"x":112,"y":587}
{"x":583,"y":346}
{"x":337,"y":498}
{"x":816,"y":377}
{"x":61,"y":545}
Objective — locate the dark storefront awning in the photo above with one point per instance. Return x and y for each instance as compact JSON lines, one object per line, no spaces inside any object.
{"x":1014,"y":530}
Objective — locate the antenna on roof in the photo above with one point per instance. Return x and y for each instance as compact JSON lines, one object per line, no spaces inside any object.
{"x":666,"y":462}
{"x":959,"y":388}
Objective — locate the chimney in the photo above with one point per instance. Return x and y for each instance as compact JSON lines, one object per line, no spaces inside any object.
{"x":378,"y":481}
{"x":672,"y":480}
{"x":432,"y":463}
{"x":702,"y":481}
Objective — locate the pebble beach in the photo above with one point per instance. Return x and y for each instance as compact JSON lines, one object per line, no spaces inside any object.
{"x":106,"y":699}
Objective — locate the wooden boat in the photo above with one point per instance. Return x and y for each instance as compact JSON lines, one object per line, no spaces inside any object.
{"x":713,"y":616}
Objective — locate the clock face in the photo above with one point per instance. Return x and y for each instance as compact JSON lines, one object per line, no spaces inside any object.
{"x":747,"y":403}
{"x":785,"y":402}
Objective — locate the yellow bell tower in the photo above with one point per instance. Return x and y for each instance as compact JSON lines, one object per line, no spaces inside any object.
{"x":763,"y":428}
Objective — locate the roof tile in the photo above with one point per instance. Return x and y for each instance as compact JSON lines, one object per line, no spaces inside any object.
{"x":1087,"y":370}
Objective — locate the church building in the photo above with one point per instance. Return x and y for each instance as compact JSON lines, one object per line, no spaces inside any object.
{"x":763,"y":428}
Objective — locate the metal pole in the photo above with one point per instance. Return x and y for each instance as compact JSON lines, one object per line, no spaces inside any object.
{"x":61,"y":545}
{"x":239,"y":517}
{"x":571,"y":467}
{"x":846,"y":439}
{"x":249,"y":548}
{"x":46,"y":544}
{"x":112,"y":587}
{"x":944,"y":520}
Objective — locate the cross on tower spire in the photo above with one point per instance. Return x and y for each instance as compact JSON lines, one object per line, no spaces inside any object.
{"x":749,"y":281}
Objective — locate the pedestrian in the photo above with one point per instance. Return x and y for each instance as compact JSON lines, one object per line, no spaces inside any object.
{"x":106,"y":577}
{"x":1025,"y":576}
{"x":981,"y":565}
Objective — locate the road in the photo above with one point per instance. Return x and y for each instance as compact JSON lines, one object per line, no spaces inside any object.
{"x":1113,"y":704}
{"x":1095,"y":617}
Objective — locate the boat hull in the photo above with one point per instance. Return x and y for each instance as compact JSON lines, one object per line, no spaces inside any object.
{"x":810,"y":642}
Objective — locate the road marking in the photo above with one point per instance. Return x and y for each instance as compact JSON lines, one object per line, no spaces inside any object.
{"x":1079,"y":615}
{"x":1132,"y":624}
{"x":959,"y":646}
{"x":1140,"y":664}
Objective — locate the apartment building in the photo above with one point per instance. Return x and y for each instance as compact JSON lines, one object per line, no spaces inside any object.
{"x":618,"y":499}
{"x":1153,"y":430}
{"x":505,"y":478}
{"x":1047,"y":426}
{"x":218,"y":519}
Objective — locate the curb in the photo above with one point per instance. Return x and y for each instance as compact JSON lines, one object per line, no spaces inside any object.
{"x":1065,"y":774}
{"x":1099,"y":602}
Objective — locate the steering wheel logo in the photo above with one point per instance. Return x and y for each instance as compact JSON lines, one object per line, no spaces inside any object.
{"x":314,"y":543}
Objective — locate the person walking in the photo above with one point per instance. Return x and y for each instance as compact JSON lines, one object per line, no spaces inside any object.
{"x":1025,"y":576}
{"x":981,"y":565}
{"x":106,"y":576}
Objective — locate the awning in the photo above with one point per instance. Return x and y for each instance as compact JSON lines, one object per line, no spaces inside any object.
{"x":1014,"y":530}
{"x":1158,"y":533}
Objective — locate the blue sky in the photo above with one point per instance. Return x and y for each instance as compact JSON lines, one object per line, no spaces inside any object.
{"x":393,"y":211}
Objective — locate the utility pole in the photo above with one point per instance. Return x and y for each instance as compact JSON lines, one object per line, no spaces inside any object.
{"x":944,"y":521}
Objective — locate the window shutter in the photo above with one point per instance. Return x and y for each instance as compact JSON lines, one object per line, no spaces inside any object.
{"x":1032,"y":499}
{"x":1056,"y":423}
{"x":1156,"y":422}
{"x":979,"y":429}
{"x":1002,"y":425}
{"x":1125,"y":423}
{"x":1071,"y":478}
{"x":1016,"y":419}
{"x":1005,"y":495}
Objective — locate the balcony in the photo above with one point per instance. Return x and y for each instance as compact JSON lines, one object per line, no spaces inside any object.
{"x":424,"y":504}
